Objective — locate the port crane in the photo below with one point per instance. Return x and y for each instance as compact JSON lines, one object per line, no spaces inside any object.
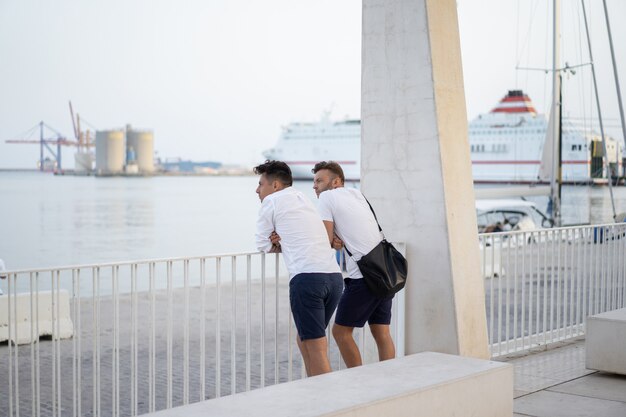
{"x":84,"y":157}
{"x":48,"y":141}
{"x":83,"y":139}
{"x":45,"y":143}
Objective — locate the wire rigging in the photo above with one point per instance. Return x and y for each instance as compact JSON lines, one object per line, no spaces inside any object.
{"x":517,"y":25}
{"x":28,"y":133}
{"x":546,"y":59}
{"x":581,"y":83}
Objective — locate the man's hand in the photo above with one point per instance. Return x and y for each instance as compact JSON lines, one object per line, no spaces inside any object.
{"x":275,"y":239}
{"x":337,"y":243}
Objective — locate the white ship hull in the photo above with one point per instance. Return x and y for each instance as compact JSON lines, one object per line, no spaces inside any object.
{"x":513,"y":155}
{"x":506,"y":146}
{"x":302,"y":145}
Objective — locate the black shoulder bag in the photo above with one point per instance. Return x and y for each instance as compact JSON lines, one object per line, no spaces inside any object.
{"x":384,"y":269}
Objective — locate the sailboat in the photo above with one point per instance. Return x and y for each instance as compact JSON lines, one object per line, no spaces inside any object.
{"x":514,"y":144}
{"x":552,"y":162}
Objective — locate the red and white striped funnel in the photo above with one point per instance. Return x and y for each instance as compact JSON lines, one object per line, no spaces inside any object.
{"x":515,"y":102}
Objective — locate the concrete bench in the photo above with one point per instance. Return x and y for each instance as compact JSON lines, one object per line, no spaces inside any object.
{"x":605,"y":342}
{"x":45,"y":325}
{"x":426,"y":384}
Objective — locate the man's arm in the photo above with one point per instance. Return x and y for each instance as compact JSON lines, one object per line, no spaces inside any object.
{"x":335,"y":242}
{"x":330,"y":229}
{"x":265,"y":227}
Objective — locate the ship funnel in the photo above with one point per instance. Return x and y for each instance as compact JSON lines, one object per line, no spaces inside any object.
{"x":515,"y":102}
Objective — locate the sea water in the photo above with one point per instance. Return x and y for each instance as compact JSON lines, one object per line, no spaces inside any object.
{"x":50,"y":221}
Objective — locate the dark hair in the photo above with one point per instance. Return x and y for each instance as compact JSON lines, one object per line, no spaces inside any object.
{"x":275,"y":170}
{"x":332,"y":166}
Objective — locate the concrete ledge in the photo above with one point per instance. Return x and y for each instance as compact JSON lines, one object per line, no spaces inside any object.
{"x":45,"y":325}
{"x":605,"y":343}
{"x":426,"y":384}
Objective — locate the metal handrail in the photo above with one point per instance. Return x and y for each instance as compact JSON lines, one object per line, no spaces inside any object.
{"x":128,"y":262}
{"x":218,"y":324}
{"x":541,"y":285}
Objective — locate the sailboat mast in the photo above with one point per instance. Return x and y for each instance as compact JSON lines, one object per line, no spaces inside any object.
{"x":595,"y":87}
{"x":617,"y":87}
{"x":556,"y":169}
{"x":559,"y":141}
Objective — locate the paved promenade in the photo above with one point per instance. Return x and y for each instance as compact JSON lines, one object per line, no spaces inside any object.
{"x":555,"y":383}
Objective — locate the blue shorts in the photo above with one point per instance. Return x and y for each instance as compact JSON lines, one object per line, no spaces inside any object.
{"x":313,"y":298}
{"x":358,"y":305}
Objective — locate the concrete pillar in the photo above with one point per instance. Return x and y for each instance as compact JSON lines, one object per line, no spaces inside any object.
{"x":416,"y":168}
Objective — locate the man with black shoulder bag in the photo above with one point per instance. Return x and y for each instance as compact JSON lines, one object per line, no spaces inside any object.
{"x":351,"y":223}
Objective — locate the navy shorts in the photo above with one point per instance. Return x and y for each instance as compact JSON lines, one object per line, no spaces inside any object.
{"x":358,"y":305}
{"x":313,"y":298}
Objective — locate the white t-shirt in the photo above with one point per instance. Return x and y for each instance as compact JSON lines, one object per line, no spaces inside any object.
{"x":303,"y":237}
{"x":353,"y":221}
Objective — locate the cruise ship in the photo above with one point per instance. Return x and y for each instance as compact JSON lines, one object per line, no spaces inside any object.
{"x":302,"y":145}
{"x":506,"y":146}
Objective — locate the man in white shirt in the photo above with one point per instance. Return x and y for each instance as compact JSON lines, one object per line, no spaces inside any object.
{"x":289,"y":223}
{"x":350,"y":221}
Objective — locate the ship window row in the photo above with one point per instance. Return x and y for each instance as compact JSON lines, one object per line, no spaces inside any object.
{"x":315,"y":137}
{"x":508,"y":131}
{"x":501,"y":147}
{"x":495,"y":148}
{"x":504,"y":137}
{"x":500,"y":138}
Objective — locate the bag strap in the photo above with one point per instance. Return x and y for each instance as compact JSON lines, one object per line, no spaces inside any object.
{"x":380,"y":229}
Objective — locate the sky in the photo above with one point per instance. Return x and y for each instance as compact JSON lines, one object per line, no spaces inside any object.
{"x":216,"y":79}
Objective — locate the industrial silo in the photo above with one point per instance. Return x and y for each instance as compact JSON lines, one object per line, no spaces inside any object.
{"x":109,"y":151}
{"x":141,"y":143}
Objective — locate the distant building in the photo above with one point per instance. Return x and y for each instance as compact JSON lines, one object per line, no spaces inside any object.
{"x":179,"y":165}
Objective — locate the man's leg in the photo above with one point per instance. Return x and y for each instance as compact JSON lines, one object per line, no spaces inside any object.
{"x":347,"y":346}
{"x":384,"y":342}
{"x":312,"y":305}
{"x":314,"y":352}
{"x":305,"y":355}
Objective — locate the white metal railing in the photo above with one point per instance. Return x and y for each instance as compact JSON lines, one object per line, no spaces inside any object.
{"x":152,"y":334}
{"x":542,"y":285}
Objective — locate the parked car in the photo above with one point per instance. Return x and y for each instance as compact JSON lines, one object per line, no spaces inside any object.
{"x":506,"y":215}
{"x":501,"y":216}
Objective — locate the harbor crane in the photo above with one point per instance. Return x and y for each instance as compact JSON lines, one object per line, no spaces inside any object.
{"x":83,"y":139}
{"x":47,"y":142}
